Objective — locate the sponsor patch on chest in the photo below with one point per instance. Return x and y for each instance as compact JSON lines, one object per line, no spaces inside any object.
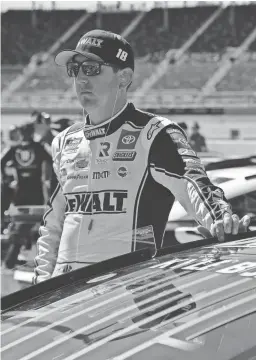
{"x":72,"y":144}
{"x":124,"y":155}
{"x":128,"y":140}
{"x":97,"y":202}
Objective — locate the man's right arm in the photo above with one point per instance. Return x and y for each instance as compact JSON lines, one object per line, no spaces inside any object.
{"x":51,"y":229}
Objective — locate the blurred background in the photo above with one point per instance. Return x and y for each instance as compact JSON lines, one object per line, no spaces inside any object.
{"x":195,"y":61}
{"x":195,"y":64}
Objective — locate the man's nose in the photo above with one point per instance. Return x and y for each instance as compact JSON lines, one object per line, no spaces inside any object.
{"x":81,"y":76}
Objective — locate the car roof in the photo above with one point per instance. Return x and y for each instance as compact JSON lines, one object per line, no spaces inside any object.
{"x":232,"y":188}
{"x":231,"y":162}
{"x":172,"y":306}
{"x":233,"y":172}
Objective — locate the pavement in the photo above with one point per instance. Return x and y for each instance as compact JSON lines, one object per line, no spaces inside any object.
{"x":20,"y":277}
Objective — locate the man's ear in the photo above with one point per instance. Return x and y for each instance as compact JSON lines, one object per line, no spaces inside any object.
{"x":125,"y":76}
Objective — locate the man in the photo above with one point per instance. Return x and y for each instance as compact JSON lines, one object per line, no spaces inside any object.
{"x":119,"y":172}
{"x":196,"y":140}
{"x":9,"y":175}
{"x":42,"y":127}
{"x":61,"y":124}
{"x":28,"y":160}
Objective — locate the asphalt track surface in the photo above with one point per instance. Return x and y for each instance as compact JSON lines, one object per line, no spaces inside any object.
{"x":8,"y":283}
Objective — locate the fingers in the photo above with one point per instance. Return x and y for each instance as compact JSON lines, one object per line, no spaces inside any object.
{"x":230,"y":224}
{"x":235,"y":226}
{"x":227,"y":222}
{"x":220,"y":231}
{"x":217,"y":230}
{"x":244,"y":223}
{"x":203,"y":231}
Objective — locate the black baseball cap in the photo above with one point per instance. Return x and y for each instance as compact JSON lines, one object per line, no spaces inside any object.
{"x":101,"y":46}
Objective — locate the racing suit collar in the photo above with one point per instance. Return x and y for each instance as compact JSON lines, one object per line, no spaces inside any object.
{"x":109,"y":126}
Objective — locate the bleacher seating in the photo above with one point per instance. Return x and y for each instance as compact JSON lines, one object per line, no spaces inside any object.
{"x":253,"y":46}
{"x":150,"y":35}
{"x":229,"y":30}
{"x":150,"y":40}
{"x":241,"y":77}
{"x":106,"y":21}
{"x":9,"y":73}
{"x":192,"y":73}
{"x":20,"y":40}
{"x":48,"y":78}
{"x":54,"y":78}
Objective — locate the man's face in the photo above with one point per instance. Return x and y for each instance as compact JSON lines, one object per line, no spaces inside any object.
{"x":97,"y":90}
{"x":42,"y":129}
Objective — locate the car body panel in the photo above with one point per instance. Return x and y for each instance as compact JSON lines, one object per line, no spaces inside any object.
{"x":231,"y":189}
{"x":218,"y":176}
{"x":188,"y":304}
{"x":182,"y":228}
{"x":210,"y":157}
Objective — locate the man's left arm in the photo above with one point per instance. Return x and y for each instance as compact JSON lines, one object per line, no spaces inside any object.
{"x":176,"y":166}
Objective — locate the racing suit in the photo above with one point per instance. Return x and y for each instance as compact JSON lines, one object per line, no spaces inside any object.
{"x":117,"y":182}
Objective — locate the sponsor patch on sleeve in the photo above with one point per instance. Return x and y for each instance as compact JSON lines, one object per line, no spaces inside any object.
{"x":152,"y":129}
{"x":188,"y":152}
{"x":178,"y":138}
{"x":193,"y":163}
{"x":174,"y":131}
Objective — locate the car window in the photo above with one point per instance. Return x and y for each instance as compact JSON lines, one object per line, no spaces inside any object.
{"x":244,"y":204}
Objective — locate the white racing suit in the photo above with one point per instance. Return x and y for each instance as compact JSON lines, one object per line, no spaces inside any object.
{"x":117,"y":182}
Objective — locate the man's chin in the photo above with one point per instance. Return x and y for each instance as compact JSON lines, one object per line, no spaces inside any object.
{"x":87,"y":102}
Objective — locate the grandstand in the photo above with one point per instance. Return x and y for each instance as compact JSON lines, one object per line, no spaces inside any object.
{"x":184,"y":56}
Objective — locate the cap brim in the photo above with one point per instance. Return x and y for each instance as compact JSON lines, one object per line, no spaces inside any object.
{"x":63,"y":57}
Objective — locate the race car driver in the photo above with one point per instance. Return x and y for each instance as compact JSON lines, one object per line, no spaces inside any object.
{"x":119,"y":173}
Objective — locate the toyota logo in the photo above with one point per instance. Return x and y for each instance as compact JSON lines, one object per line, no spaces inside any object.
{"x":128,"y":139}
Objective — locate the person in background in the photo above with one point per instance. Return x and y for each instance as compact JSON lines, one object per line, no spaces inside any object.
{"x":42,"y":129}
{"x":28,"y":159}
{"x":60,"y":125}
{"x":196,"y":140}
{"x":14,"y":134}
{"x":9,"y":173}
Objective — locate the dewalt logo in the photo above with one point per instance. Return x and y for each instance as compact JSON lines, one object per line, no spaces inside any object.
{"x":97,"y":202}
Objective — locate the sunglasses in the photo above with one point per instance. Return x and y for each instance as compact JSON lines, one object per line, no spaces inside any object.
{"x":88,"y":69}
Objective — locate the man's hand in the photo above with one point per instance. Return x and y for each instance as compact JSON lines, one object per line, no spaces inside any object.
{"x":230,"y":224}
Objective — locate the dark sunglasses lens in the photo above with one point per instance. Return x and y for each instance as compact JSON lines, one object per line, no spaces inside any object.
{"x":72,"y":69}
{"x":91,"y":69}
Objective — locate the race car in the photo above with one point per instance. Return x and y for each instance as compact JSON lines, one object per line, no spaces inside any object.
{"x":231,"y":168}
{"x":193,"y":301}
{"x":240,"y":192}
